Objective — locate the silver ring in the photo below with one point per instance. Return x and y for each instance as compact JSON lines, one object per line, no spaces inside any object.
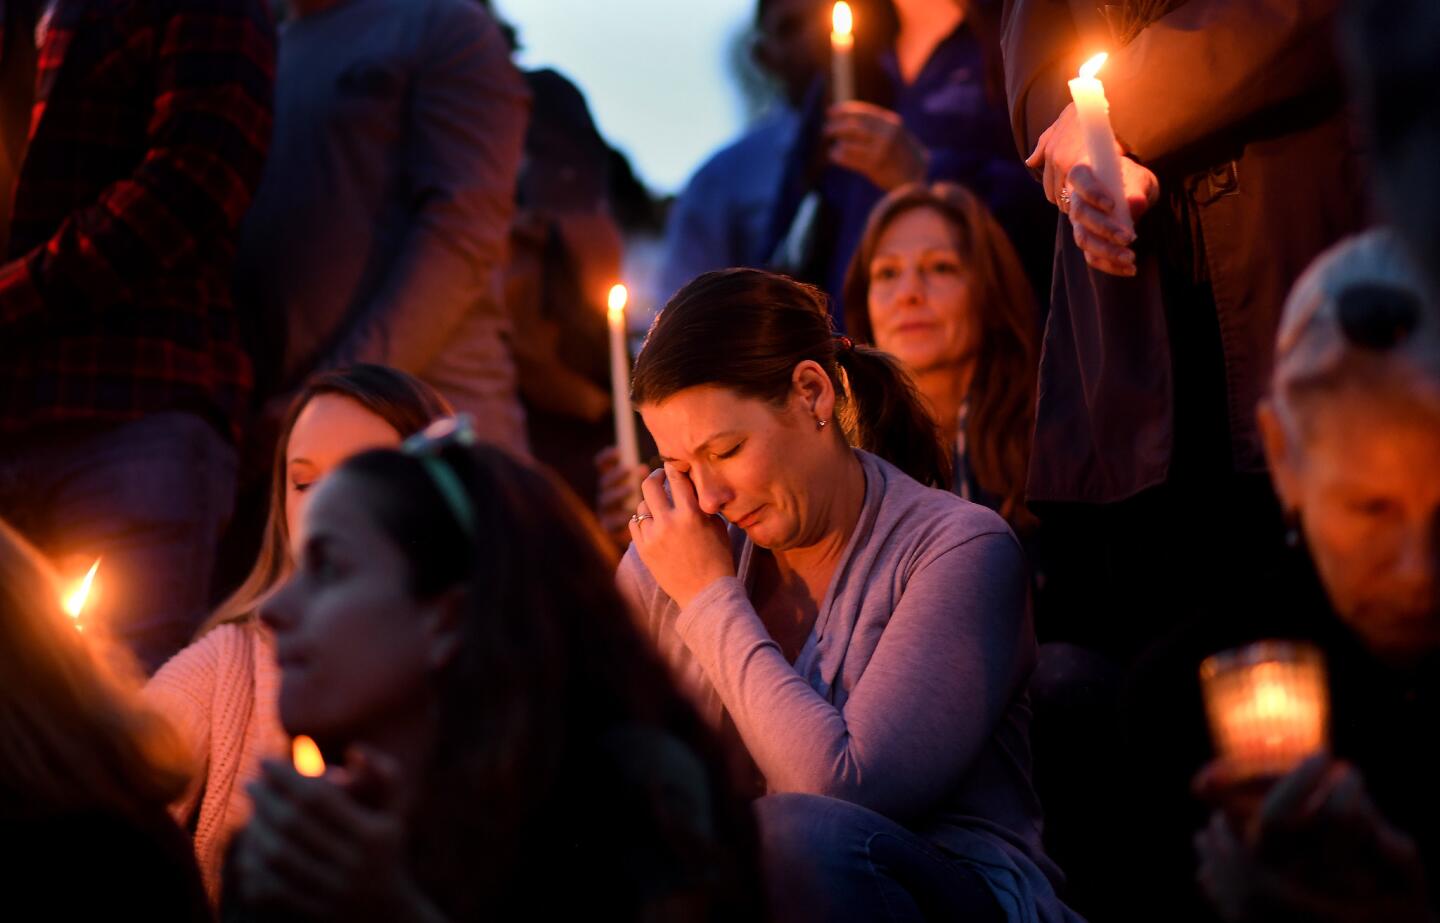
{"x":641,"y":517}
{"x":1065,"y":199}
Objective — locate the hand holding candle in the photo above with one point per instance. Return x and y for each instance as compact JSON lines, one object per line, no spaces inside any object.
{"x":620,"y":380}
{"x":842,"y":53}
{"x":1092,"y":111}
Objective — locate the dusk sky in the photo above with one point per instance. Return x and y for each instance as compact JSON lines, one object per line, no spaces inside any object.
{"x":654,"y":72}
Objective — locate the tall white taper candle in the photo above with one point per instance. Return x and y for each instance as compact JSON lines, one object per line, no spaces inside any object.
{"x":1092,"y":110}
{"x":842,"y":53}
{"x":620,"y":379}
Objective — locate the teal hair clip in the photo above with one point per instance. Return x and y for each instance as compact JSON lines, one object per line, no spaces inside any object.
{"x":427,"y":445}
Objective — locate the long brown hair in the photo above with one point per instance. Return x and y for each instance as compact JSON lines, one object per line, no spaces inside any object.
{"x":746,"y":329}
{"x":551,"y":676}
{"x":398,"y":398}
{"x":72,"y":737}
{"x":1002,"y":393}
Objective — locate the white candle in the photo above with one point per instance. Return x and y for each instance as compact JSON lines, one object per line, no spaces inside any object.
{"x":842,"y":53}
{"x":1093,"y":111}
{"x":74,"y":602}
{"x":620,"y":380}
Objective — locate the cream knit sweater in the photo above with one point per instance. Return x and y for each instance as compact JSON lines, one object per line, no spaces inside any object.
{"x":221,"y":694}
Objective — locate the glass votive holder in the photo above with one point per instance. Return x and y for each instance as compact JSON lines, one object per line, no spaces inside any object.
{"x":1268,"y":706}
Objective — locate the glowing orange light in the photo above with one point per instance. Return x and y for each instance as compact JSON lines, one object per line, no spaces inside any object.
{"x":619,"y":295}
{"x":306,"y":756}
{"x":74,"y":602}
{"x":841,"y":19}
{"x":1090,"y":68}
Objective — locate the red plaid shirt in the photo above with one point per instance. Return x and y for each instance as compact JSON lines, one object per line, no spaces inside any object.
{"x":148,"y":136}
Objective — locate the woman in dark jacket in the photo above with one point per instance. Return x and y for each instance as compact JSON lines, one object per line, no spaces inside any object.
{"x":1147,"y":469}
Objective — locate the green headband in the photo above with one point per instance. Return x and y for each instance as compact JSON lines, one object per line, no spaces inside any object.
{"x":448,"y":483}
{"x":426,"y":446}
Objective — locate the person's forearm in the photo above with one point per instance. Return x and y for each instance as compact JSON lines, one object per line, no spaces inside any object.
{"x":930,"y":697}
{"x":1040,"y":41}
{"x":1211,"y":64}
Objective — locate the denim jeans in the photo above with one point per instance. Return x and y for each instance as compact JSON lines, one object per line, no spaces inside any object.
{"x":831,"y":860}
{"x":150,"y":498}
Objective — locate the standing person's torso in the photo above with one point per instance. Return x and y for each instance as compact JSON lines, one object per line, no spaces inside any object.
{"x":132,"y":276}
{"x":334,"y":207}
{"x":949,"y":109}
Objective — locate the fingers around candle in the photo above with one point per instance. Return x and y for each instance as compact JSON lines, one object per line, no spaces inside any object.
{"x":1086,"y":185}
{"x":1101,"y":226}
{"x":1053,"y":180}
{"x":1294,"y":789}
{"x":1042,"y":147}
{"x":1103,"y":255}
{"x":1345,"y":799}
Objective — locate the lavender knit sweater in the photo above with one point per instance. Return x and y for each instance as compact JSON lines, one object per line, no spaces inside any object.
{"x":222,"y":696}
{"x":909,"y":696}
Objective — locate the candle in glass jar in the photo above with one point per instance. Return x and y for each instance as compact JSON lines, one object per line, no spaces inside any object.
{"x":620,"y":380}
{"x":842,"y":53}
{"x":1268,"y":706}
{"x":1092,"y":111}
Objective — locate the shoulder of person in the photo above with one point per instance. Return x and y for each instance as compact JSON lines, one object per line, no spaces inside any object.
{"x":461,"y":19}
{"x":928,"y":517}
{"x":203,"y":656}
{"x":744,"y":153}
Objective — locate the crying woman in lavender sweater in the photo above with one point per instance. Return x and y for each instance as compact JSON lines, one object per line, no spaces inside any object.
{"x":864,"y":635}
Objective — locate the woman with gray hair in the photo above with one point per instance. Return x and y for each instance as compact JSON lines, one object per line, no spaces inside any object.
{"x":1352,"y":435}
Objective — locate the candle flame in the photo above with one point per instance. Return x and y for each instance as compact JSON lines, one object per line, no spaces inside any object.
{"x":619,"y":295}
{"x":1272,"y":699}
{"x":1090,"y":68}
{"x":74,"y":602}
{"x":842,"y":19}
{"x":306,"y":756}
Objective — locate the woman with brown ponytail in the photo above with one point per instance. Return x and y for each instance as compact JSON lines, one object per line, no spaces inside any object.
{"x":865,"y":635}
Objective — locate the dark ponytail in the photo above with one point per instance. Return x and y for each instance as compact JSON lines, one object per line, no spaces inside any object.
{"x":884,"y":415}
{"x":745,"y":330}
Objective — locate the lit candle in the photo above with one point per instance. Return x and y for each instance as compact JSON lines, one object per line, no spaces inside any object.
{"x":842,"y":53}
{"x":620,"y":380}
{"x":1093,"y":111}
{"x":305,"y":753}
{"x":74,"y":602}
{"x":1267,"y":706}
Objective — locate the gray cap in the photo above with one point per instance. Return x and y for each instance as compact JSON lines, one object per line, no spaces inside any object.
{"x":1361,"y":299}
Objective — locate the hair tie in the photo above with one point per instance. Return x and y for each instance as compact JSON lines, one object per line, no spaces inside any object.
{"x":843,"y":343}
